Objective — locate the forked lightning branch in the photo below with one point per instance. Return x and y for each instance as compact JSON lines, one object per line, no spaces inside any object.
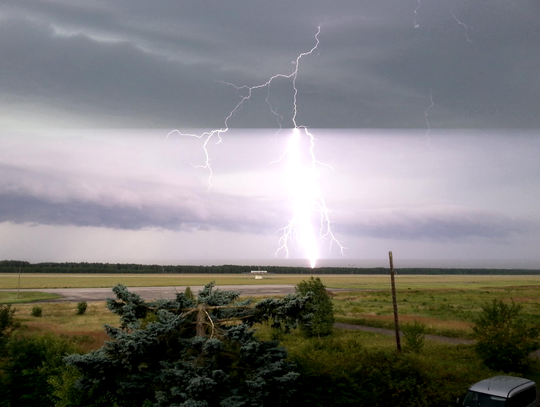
{"x":309,"y":226}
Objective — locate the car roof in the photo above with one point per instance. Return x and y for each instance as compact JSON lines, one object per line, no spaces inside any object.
{"x":501,"y":386}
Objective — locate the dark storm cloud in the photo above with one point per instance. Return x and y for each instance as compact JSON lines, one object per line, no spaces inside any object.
{"x":93,"y":79}
{"x":439,"y":226}
{"x":148,"y":64}
{"x":482,"y":75}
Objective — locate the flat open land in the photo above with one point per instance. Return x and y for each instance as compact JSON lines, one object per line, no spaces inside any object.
{"x":346,"y":281}
{"x":446,"y":304}
{"x":153,"y":293}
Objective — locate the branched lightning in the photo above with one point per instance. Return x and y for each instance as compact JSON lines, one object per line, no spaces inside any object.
{"x":465,"y":28}
{"x":302,"y":164}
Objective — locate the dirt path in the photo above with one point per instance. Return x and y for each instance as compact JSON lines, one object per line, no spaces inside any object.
{"x":445,"y":339}
{"x":454,"y":341}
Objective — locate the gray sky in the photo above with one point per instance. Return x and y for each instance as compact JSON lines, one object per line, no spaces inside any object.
{"x":434,"y":148}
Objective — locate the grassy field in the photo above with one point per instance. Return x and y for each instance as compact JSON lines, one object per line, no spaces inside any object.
{"x":346,"y":281}
{"x":11,"y":297}
{"x":61,"y":319}
{"x":448,"y":311}
{"x":447,"y":305}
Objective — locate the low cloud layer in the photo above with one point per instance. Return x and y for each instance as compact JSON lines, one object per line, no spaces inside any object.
{"x":28,"y":196}
{"x":441,"y":224}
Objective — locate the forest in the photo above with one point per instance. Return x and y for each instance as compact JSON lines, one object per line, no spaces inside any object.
{"x":16,"y":266}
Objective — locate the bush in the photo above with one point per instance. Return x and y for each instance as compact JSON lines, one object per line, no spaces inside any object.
{"x":31,"y":361}
{"x":81,"y":308}
{"x":336,"y":371}
{"x":504,"y":341}
{"x":414,"y":336}
{"x":319,"y":305}
{"x":37,"y":311}
{"x":188,"y":293}
{"x":6,"y":319}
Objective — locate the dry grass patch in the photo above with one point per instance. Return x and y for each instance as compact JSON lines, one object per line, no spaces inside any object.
{"x":61,"y":319}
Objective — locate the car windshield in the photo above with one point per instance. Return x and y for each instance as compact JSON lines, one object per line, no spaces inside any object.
{"x":475,"y":399}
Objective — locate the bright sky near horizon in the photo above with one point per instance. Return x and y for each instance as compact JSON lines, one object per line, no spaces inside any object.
{"x":433,"y":131}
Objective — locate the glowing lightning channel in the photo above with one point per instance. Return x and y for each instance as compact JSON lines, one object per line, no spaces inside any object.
{"x":306,"y":199}
{"x":307,"y":202}
{"x":426,"y":114}
{"x":416,"y":25}
{"x":465,"y":28}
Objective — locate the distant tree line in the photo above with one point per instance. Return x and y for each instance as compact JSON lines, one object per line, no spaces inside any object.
{"x":14,"y":266}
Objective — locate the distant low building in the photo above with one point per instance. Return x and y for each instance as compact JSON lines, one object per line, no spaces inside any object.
{"x":258,"y":273}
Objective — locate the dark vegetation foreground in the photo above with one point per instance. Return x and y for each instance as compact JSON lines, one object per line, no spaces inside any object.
{"x":217,"y":350}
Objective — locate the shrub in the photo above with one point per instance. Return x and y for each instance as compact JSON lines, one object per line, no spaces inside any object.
{"x":37,"y":311}
{"x":30,"y":363}
{"x":188,"y":293}
{"x":319,"y":305}
{"x":504,"y":341}
{"x":81,"y":308}
{"x":359,"y":376}
{"x":414,"y":336}
{"x":6,"y":319}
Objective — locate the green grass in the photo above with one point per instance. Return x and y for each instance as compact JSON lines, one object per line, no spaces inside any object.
{"x":11,"y":297}
{"x":448,"y":312}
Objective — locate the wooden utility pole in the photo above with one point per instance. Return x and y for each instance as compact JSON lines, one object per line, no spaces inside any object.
{"x":394,"y":300}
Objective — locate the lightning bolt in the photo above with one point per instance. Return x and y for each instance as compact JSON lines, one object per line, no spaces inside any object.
{"x":465,"y":27}
{"x":306,"y":200}
{"x":302,"y":169}
{"x":416,"y":25}
{"x":426,"y":114}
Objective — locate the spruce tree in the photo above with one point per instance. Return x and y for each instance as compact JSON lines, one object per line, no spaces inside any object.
{"x":189,"y":352}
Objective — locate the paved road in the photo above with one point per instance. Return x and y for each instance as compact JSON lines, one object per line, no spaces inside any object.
{"x":152,"y":293}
